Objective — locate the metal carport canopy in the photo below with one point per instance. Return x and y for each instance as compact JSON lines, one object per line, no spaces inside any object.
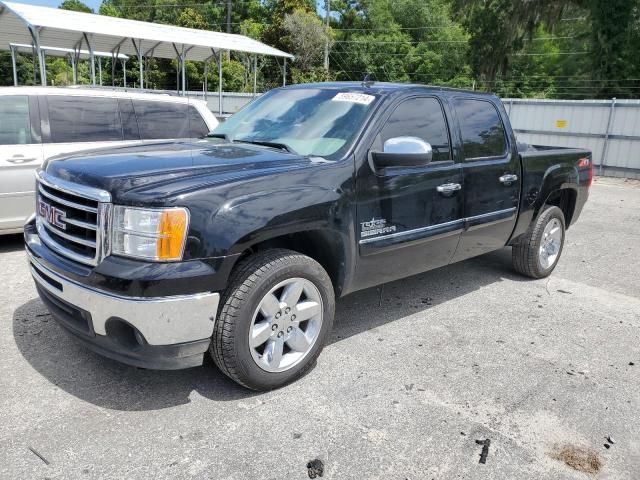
{"x":53,"y":27}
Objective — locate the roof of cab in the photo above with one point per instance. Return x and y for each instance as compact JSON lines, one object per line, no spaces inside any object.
{"x":387,"y":87}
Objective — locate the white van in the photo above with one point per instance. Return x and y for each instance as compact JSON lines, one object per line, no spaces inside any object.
{"x":39,"y":122}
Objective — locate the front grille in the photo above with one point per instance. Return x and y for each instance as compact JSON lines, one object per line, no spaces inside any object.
{"x":72,"y":220}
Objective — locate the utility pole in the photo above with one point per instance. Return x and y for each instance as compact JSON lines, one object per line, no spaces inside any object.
{"x":327,"y":8}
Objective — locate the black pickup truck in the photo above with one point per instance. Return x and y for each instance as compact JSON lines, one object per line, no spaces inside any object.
{"x":238,"y":245}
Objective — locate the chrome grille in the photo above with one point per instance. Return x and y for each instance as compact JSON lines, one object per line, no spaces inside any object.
{"x":73,"y":219}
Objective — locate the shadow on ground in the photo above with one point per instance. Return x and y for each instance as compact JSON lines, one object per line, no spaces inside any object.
{"x":109,"y":384}
{"x":11,"y":243}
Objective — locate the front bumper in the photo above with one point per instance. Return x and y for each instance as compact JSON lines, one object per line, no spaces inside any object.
{"x":151,"y":332}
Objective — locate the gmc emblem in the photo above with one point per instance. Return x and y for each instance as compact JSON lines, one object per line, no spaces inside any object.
{"x":52,"y":215}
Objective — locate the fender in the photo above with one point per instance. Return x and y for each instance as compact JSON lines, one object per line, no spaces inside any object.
{"x":538,"y":186}
{"x":266,"y":215}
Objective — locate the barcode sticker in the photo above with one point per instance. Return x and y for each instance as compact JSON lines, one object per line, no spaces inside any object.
{"x":352,"y":97}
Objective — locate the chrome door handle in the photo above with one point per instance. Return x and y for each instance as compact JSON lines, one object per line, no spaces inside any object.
{"x":508,"y":178}
{"x":21,"y":160}
{"x":448,"y":188}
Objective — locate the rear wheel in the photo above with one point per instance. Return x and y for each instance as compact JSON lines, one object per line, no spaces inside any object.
{"x":275,"y":317}
{"x":538,"y":252}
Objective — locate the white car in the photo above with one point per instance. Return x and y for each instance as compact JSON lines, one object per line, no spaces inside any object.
{"x":39,"y":122}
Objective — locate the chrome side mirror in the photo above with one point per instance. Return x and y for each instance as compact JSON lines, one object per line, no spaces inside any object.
{"x":403,"y":152}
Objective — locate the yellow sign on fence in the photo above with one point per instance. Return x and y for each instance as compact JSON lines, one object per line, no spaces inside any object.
{"x":561,"y":123}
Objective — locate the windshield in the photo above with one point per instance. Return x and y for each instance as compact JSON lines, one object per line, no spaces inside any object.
{"x":309,"y":121}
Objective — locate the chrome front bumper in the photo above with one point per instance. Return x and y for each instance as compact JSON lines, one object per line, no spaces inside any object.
{"x":160,"y":320}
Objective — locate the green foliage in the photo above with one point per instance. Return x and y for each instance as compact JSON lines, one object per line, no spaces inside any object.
{"x":76,"y":5}
{"x":516,"y":48}
{"x":308,"y":37}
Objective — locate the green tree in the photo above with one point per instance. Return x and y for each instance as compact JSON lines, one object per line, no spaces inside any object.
{"x":612,"y":33}
{"x":308,"y":37}
{"x":75,"y":5}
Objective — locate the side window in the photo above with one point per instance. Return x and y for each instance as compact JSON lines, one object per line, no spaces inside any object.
{"x":15,"y":127}
{"x":197,"y":126}
{"x":83,"y":119}
{"x":422,"y":118}
{"x":482,"y":130}
{"x":158,"y":120}
{"x":128,"y":117}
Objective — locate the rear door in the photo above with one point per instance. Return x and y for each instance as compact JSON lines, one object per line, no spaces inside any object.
{"x":20,"y":155}
{"x":491,"y":177}
{"x":406,"y":224}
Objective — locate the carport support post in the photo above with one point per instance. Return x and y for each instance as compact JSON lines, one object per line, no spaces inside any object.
{"x":124,"y":72}
{"x":113,"y":69}
{"x":73,"y":69}
{"x":138,"y":49}
{"x":43,"y":62}
{"x":219,"y":82}
{"x":218,"y":58}
{"x":206,"y":73}
{"x":100,"y":70}
{"x":13,"y":64}
{"x":255,"y":75}
{"x":605,"y":146}
{"x":184,"y":76}
{"x":284,"y":72}
{"x":33,"y":58}
{"x":92,"y":59}
{"x":38,"y":52}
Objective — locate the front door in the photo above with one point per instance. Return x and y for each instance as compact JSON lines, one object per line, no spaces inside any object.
{"x":491,"y":178}
{"x":409,"y":218}
{"x":20,"y":155}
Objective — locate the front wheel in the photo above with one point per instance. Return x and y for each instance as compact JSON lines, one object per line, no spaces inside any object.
{"x":275,"y":317}
{"x":538,"y":252}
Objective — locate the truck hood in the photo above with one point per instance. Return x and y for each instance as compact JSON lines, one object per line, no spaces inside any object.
{"x":159,"y":171}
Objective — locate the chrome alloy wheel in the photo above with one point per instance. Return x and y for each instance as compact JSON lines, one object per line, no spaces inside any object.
{"x":286,"y":325}
{"x":551,"y":243}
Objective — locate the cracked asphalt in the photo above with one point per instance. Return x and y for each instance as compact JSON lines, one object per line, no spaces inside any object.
{"x":406,"y":386}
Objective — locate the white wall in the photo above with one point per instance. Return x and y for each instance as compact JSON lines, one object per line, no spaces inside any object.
{"x":612,"y":134}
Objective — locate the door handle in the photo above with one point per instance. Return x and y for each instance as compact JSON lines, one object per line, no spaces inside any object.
{"x":21,"y":160}
{"x":448,"y":188}
{"x":508,"y":178}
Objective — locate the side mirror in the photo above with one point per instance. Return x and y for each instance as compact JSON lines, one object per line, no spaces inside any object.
{"x":403,"y":152}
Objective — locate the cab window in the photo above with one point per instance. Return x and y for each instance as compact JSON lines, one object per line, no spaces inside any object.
{"x":422,"y":118}
{"x":481,"y":127}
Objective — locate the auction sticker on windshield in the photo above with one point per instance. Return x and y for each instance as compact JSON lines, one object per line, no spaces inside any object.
{"x":352,"y":97}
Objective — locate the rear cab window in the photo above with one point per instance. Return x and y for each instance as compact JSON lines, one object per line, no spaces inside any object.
{"x":483,"y":134}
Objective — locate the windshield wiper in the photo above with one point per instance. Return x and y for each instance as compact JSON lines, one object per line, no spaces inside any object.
{"x":265,"y":143}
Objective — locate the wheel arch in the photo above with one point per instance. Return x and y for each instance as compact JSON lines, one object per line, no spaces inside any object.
{"x":325,"y":246}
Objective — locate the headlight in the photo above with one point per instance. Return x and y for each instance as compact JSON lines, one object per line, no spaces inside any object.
{"x":150,"y":233}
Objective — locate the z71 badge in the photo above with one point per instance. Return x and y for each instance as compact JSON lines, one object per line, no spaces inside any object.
{"x":376,"y":227}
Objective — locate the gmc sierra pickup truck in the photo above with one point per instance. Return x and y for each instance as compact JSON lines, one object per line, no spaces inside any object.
{"x":156,"y":255}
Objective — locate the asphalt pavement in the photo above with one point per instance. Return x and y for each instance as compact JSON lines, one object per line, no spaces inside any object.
{"x":413,"y":377}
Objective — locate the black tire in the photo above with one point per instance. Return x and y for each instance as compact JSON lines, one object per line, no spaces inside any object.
{"x":525,"y":254}
{"x":250,"y":281}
